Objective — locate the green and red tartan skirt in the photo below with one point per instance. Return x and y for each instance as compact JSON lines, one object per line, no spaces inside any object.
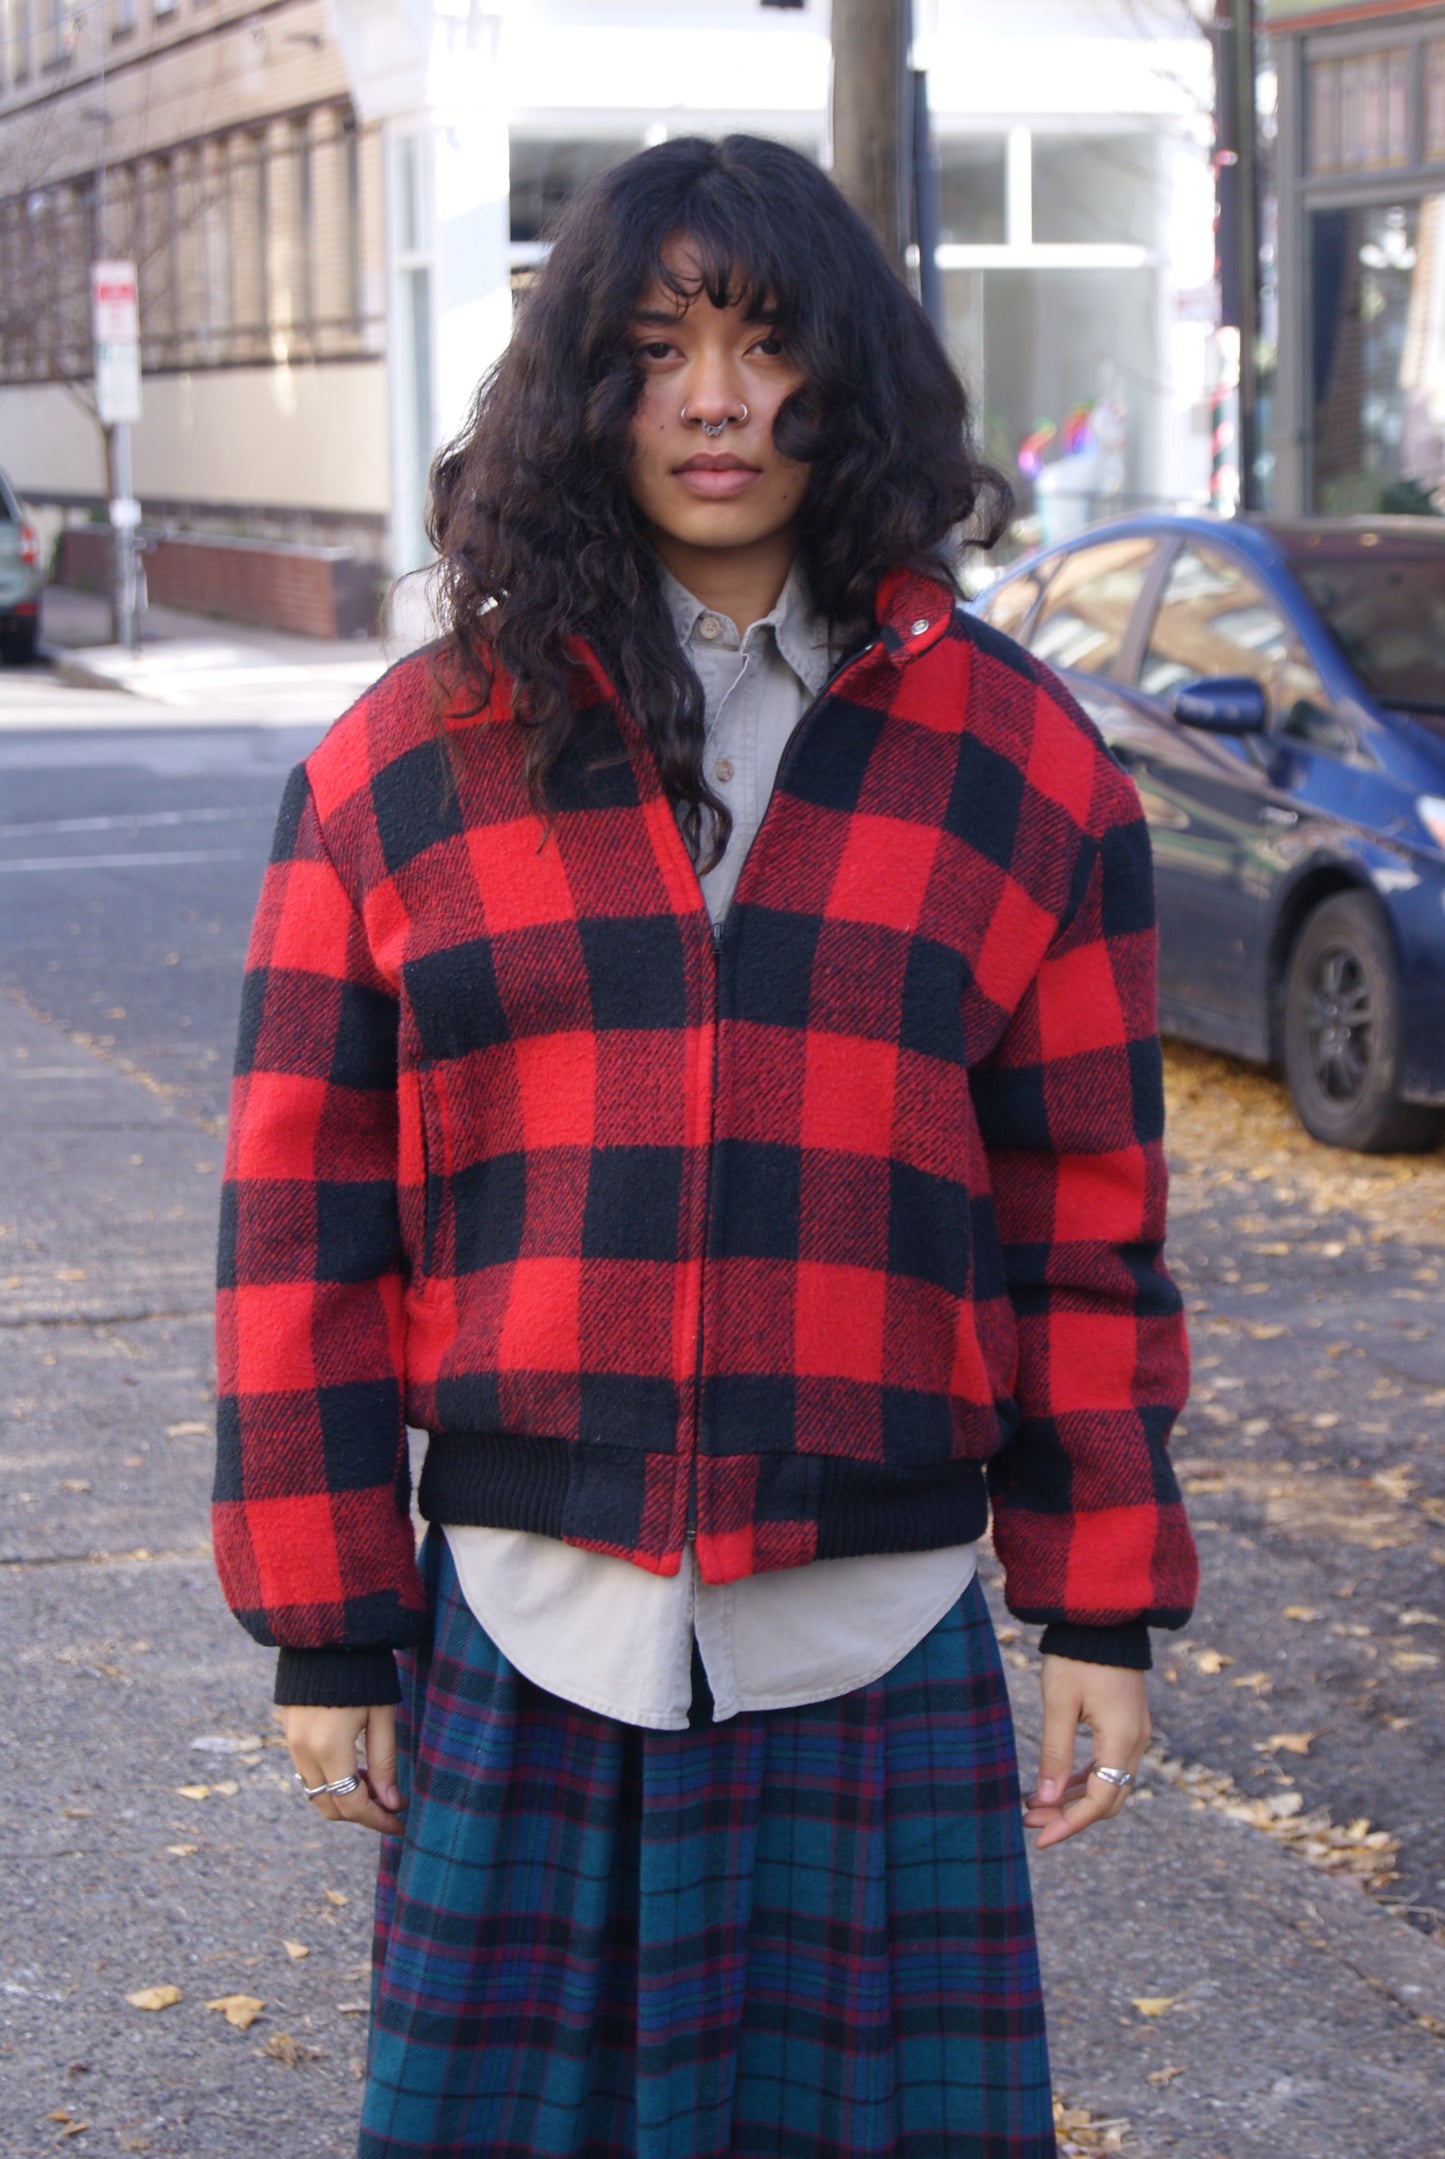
{"x":799,"y":1934}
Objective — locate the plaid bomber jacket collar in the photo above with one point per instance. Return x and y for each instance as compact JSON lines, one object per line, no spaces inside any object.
{"x":781,"y":1242}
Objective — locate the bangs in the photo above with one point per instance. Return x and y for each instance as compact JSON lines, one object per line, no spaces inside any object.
{"x":704,"y":257}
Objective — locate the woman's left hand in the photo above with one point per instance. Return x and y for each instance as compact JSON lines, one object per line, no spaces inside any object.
{"x":1114,"y":1703}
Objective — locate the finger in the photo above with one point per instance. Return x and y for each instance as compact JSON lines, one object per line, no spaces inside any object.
{"x":359,"y":1806}
{"x":1078,"y":1815}
{"x":381,"y":1759}
{"x":1056,"y":1749}
{"x":1037,"y":1811}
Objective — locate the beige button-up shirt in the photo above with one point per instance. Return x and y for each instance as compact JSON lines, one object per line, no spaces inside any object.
{"x":601,"y":1632}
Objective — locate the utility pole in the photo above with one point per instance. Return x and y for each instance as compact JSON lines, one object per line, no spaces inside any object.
{"x":1236,"y":183}
{"x":873,"y":117}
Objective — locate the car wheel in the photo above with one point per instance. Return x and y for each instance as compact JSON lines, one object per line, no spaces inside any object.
{"x":19,"y":642}
{"x":1342,"y":1033}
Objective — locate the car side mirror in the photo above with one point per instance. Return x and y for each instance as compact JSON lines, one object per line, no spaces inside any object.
{"x":1223,"y":705}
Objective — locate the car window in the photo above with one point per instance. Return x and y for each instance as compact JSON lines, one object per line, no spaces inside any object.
{"x":1213,"y":619}
{"x":1090,"y":601}
{"x":9,"y":507}
{"x":1009,"y":605}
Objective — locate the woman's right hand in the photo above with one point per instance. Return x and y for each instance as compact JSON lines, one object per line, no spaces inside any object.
{"x":323,"y":1749}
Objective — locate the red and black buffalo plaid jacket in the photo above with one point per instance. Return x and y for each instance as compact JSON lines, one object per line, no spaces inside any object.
{"x":791,"y":1240}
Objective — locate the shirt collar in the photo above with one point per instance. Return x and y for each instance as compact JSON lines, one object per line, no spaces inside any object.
{"x":801,"y":636}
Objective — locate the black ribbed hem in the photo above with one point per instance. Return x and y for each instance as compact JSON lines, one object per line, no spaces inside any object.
{"x":336,"y":1679}
{"x":559,"y":1488}
{"x":1126,"y":1646}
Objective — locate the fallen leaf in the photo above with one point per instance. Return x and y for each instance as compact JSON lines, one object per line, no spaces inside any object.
{"x":61,"y":2114}
{"x":154,"y":1997}
{"x":73,"y":2129}
{"x":1164,"y":2076}
{"x":132,"y":2143}
{"x":79,"y":1814}
{"x":75,"y":1484}
{"x":353,"y":2009}
{"x":71,"y":1274}
{"x":1412,"y":1660}
{"x":1303,"y":1612}
{"x":1286,"y":1743}
{"x":1416,"y":1618}
{"x":295,"y":1950}
{"x":1156,"y":2005}
{"x":228,"y":1743}
{"x":182,"y":1851}
{"x":1211,"y":1661}
{"x":191,"y":1429}
{"x":1257,"y":1682}
{"x":281,"y":2047}
{"x":227,"y":1788}
{"x":239,"y":2010}
{"x":337,"y":1897}
{"x":194,"y":1791}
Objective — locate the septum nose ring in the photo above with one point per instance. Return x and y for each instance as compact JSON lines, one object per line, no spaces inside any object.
{"x":714,"y":428}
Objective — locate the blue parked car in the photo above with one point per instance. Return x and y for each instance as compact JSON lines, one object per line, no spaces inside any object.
{"x":1277,"y":691}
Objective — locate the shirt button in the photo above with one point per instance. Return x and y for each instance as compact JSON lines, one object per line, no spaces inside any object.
{"x":723,"y":769}
{"x":709,"y":627}
{"x":920,"y":626}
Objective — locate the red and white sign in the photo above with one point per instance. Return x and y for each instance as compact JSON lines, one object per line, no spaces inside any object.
{"x":114,"y":303}
{"x":115,"y":326}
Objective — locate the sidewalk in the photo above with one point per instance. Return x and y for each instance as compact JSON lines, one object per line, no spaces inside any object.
{"x":1287,"y":2016}
{"x":194,"y":671}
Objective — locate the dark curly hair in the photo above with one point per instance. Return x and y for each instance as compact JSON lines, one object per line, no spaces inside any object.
{"x":537,"y":535}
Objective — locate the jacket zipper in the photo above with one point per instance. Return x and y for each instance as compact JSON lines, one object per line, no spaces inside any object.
{"x":718,"y":933}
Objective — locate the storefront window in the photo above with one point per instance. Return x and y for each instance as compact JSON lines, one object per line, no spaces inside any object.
{"x":1377,"y":334}
{"x":972,"y":189}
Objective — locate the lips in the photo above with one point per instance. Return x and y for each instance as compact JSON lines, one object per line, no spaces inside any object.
{"x":716,"y":476}
{"x":716,"y":461}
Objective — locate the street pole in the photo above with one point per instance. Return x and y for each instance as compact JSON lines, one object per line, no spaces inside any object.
{"x":872,"y":119}
{"x":1236,"y":166}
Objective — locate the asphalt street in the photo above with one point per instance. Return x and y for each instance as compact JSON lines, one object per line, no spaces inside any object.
{"x":1279,"y":1887}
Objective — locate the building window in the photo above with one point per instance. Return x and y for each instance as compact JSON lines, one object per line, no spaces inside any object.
{"x":1359,"y":113}
{"x":242,"y":241}
{"x":1435,"y":103}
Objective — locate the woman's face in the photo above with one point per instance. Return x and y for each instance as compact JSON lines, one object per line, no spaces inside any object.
{"x":728,"y":492}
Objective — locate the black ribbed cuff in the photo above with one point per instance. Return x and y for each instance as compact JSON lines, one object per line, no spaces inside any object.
{"x":1126,"y":1646}
{"x":336,"y":1679}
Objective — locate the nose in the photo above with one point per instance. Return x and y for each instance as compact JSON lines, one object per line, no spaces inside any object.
{"x":714,"y":395}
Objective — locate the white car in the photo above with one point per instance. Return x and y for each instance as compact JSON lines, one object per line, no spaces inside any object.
{"x":21,"y":578}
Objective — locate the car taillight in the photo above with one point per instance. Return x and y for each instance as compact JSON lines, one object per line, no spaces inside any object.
{"x":29,"y":547}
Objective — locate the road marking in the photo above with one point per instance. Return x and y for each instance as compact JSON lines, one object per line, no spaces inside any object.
{"x":130,"y":862}
{"x":125,"y":824}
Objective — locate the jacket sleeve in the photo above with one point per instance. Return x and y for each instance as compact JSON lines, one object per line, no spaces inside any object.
{"x":1088,"y":1519}
{"x":311,"y":1518}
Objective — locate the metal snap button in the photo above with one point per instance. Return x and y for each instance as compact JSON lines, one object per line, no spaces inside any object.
{"x":920,"y":626}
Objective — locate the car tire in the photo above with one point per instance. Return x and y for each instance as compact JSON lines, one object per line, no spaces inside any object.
{"x":17,"y":640}
{"x":1342,"y":1033}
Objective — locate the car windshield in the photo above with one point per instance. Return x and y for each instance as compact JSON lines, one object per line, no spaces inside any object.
{"x":1385,"y":609}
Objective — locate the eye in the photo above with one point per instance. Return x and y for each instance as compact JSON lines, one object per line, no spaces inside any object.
{"x":771,"y":346}
{"x":656,"y":349}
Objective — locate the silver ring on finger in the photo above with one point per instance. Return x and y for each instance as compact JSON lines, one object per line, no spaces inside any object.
{"x":1121,"y":1779}
{"x":340,"y":1788}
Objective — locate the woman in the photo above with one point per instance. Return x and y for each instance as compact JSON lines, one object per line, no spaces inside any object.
{"x":699,"y":1065}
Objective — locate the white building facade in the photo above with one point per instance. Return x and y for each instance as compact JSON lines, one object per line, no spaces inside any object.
{"x":331,"y":199}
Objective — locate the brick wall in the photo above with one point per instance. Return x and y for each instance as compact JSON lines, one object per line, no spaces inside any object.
{"x":310,"y":591}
